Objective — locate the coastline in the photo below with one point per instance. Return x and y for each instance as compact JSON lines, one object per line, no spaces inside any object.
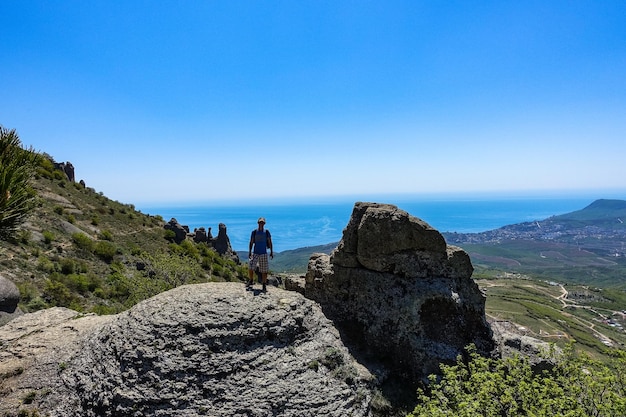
{"x":313,"y":222}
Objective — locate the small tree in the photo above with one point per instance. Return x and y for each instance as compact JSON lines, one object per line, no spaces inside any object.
{"x":17,"y":168}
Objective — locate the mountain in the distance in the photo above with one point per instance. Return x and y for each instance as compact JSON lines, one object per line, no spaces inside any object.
{"x":586,"y":245}
{"x":605,"y":213}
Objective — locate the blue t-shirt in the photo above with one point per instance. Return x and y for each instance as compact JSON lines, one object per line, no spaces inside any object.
{"x":260,"y":241}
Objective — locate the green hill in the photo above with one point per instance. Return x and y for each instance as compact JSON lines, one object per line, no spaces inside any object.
{"x":600,"y":213}
{"x":585,"y":246}
{"x":82,"y":250}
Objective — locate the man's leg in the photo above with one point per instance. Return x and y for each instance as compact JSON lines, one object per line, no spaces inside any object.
{"x":251,"y":272}
{"x":250,"y":278}
{"x":264,"y":268}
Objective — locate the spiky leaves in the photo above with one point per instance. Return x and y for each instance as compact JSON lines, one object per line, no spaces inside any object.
{"x":17,"y":167}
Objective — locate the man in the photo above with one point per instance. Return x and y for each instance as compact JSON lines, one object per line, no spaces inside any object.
{"x":261,"y":240}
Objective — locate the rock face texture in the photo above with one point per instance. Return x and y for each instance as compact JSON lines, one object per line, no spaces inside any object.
{"x":9,"y":298}
{"x":208,"y":349}
{"x":399,"y":292}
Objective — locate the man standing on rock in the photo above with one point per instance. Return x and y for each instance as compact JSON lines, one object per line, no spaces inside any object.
{"x":261,"y":240}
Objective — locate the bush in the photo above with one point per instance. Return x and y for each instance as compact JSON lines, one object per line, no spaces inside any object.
{"x":83,"y":242}
{"x":44,"y":264}
{"x":68,"y":266}
{"x":105,"y":250}
{"x":577,"y":386}
{"x":106,"y":235}
{"x":169,"y":235}
{"x":48,"y":237}
{"x":57,"y":294}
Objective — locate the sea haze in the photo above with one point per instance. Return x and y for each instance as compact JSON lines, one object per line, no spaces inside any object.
{"x":310,"y":223}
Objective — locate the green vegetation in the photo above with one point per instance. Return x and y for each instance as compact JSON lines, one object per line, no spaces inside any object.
{"x":576,"y":386}
{"x":558,"y":313}
{"x":17,"y":167}
{"x":84,"y":251}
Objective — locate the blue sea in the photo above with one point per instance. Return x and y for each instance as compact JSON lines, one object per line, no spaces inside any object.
{"x":313,"y":222}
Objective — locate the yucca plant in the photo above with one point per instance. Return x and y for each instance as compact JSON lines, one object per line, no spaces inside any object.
{"x":17,"y":167}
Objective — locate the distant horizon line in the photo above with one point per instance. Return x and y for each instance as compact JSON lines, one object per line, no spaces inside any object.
{"x":393,"y":198}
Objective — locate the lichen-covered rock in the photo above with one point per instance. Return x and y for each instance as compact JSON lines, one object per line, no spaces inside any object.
{"x":208,"y":349}
{"x":401,"y":293}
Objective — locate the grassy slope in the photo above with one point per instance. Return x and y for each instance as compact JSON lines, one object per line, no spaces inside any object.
{"x":100,"y":272}
{"x":558,"y":313}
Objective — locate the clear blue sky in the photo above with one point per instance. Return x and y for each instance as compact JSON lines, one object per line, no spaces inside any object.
{"x":160,"y":101}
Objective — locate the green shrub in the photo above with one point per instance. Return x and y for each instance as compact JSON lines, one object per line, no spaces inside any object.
{"x":169,"y":235}
{"x":48,"y":237}
{"x":78,"y":283}
{"x":577,"y":386}
{"x":106,"y":235}
{"x":36,"y":304}
{"x":83,"y":242}
{"x":68,"y":266}
{"x":189,"y":249}
{"x":57,"y":294}
{"x":95,"y":220}
{"x":44,"y":264}
{"x":24,"y":236}
{"x":105,"y":250}
{"x":58,"y":210}
{"x":28,"y":291}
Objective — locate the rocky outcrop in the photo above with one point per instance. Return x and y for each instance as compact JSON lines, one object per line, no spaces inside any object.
{"x":199,"y":235}
{"x":208,"y":349}
{"x":222,"y":244}
{"x":67,"y":168}
{"x":180,"y":233}
{"x":9,"y":298}
{"x":399,"y":293}
{"x":509,"y":342}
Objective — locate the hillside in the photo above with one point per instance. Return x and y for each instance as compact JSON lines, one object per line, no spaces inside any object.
{"x":585,"y":246}
{"x":82,"y":250}
{"x":557,"y":312}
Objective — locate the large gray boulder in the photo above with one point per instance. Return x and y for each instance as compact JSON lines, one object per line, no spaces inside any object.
{"x":9,"y":299}
{"x":399,"y":293}
{"x":208,"y":349}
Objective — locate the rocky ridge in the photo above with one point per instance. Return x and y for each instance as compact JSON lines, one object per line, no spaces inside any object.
{"x":389,"y":305}
{"x":206,"y":349}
